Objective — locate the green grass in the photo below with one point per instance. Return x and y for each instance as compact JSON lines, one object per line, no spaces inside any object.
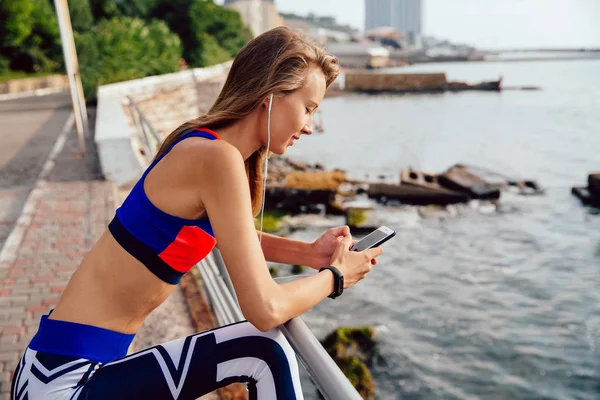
{"x":10,"y":75}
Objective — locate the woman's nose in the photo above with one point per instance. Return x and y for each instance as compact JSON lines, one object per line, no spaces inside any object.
{"x":307,"y":129}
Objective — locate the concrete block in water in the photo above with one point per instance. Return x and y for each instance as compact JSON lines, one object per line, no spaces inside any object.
{"x":419,"y":178}
{"x":594,"y":184}
{"x":583,"y":194}
{"x":295,"y":201}
{"x":417,"y":195}
{"x":459,"y":178}
{"x":377,"y":82}
{"x":589,"y":195}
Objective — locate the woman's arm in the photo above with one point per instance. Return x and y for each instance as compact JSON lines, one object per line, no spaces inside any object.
{"x":223,"y":190}
{"x":286,"y":251}
{"x":220,"y":177}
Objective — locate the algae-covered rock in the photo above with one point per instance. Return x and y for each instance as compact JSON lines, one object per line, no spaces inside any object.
{"x":272,"y":221}
{"x":274,"y":271}
{"x":352,"y":350}
{"x":359,"y":376}
{"x":356,"y":342}
{"x":298,"y":269}
{"x":356,"y":217}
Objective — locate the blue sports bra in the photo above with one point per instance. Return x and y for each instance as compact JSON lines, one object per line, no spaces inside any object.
{"x":167,"y":245}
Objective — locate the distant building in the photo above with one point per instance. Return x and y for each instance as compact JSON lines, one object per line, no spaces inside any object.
{"x":259,"y":15}
{"x":360,"y":55}
{"x":324,"y":30}
{"x":403,"y":15}
{"x":387,"y":36}
{"x":321,"y":35}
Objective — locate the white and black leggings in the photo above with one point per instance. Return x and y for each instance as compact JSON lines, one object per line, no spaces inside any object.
{"x":75,"y":365}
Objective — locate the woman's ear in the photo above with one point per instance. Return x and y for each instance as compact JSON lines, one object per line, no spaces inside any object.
{"x":267,"y":100}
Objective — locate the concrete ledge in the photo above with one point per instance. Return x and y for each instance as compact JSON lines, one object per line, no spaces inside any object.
{"x":32,"y":84}
{"x":118,"y":148}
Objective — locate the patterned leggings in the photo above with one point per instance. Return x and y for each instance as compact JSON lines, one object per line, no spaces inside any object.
{"x":182,"y":369}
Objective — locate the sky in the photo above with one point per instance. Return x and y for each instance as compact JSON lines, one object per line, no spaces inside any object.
{"x":488,"y":24}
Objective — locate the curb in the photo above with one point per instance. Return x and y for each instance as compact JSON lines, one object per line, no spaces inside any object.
{"x":32,"y":93}
{"x":9,"y":252}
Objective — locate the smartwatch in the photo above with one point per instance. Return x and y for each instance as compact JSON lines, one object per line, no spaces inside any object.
{"x":338,"y":281}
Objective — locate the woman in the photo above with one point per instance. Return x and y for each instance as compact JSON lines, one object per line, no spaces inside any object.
{"x":275,"y":84}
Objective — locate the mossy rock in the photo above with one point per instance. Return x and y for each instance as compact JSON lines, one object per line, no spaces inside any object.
{"x":356,"y":217}
{"x":355,"y":342}
{"x":352,"y":350}
{"x":274,"y":271}
{"x":298,"y":269}
{"x":359,"y":376}
{"x":271,"y":221}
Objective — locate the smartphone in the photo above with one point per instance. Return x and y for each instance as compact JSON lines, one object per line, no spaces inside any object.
{"x":374,"y":239}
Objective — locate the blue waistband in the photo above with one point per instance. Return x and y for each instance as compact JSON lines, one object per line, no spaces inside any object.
{"x":79,"y":340}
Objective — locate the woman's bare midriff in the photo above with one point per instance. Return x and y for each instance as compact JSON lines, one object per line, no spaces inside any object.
{"x":111,"y":290}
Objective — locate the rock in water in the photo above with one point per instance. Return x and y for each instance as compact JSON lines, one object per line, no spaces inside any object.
{"x":352,"y":350}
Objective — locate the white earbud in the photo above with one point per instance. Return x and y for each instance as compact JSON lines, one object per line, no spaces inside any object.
{"x":262,"y":211}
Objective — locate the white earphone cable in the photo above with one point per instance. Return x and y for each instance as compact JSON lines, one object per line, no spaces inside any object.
{"x":262,"y":211}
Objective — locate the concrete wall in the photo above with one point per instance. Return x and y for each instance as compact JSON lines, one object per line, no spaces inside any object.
{"x":168,"y":109}
{"x":357,"y":81}
{"x":118,"y":147}
{"x":31,"y":84}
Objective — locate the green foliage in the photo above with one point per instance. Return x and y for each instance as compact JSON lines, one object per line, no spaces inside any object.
{"x":7,"y":75}
{"x":4,"y":65}
{"x":89,"y":62}
{"x":15,"y":21}
{"x":224,"y":24}
{"x":274,"y":271}
{"x":126,"y":48}
{"x":211,"y":53}
{"x":107,"y":9}
{"x":119,"y":39}
{"x":81,"y":15}
{"x":29,"y":35}
{"x":210,"y":33}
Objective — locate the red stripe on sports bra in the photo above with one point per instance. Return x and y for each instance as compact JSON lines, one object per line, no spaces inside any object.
{"x":215,"y":134}
{"x":190,"y":246}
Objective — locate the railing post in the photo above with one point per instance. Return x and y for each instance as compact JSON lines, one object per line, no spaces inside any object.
{"x":223,"y":272}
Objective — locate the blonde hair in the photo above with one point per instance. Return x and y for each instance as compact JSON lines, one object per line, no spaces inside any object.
{"x":274,"y":62}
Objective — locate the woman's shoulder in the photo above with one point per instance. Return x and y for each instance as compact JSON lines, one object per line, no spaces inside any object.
{"x":207,"y":158}
{"x":199,"y":150}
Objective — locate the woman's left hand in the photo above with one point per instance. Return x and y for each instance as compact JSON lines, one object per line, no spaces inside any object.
{"x":324,"y":247}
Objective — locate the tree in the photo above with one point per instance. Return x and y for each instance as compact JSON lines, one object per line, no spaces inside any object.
{"x":16,"y":22}
{"x":122,"y":8}
{"x":81,"y":15}
{"x":227,"y":28}
{"x":29,"y":35}
{"x":207,"y":30}
{"x":125,"y":48}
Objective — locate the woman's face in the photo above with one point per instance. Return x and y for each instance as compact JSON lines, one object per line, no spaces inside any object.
{"x":292,"y":114}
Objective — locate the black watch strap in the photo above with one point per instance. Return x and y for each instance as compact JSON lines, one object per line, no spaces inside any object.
{"x":338,"y":281}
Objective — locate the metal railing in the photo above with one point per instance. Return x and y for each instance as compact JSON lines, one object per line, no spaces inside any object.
{"x":145,"y":134}
{"x":324,"y":372}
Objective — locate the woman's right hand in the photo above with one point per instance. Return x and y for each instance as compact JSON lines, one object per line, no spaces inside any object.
{"x":354,"y":265}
